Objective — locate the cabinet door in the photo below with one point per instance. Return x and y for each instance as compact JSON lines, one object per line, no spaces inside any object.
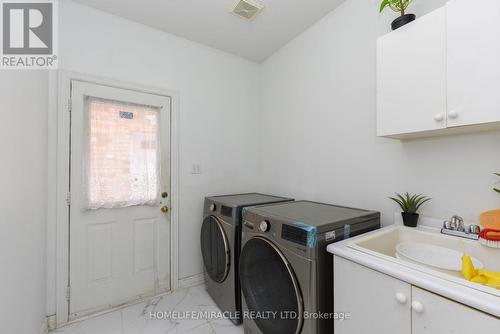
{"x":437,"y":315}
{"x":411,"y":77}
{"x":473,"y":29}
{"x":377,"y":303}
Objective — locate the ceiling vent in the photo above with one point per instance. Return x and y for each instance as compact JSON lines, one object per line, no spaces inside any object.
{"x":247,"y":9}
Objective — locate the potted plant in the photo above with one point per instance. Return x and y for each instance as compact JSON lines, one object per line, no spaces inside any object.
{"x":497,"y":189}
{"x":398,"y":6}
{"x":410,"y":205}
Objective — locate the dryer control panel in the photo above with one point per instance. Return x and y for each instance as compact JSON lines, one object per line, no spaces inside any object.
{"x":226,"y":211}
{"x":294,"y":234}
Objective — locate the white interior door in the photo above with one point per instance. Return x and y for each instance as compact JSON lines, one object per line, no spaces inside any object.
{"x":120,"y":195}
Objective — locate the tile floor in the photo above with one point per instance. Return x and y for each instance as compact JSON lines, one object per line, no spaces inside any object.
{"x":136,"y":319}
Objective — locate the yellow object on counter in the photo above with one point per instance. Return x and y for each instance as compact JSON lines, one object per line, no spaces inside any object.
{"x":481,"y":276}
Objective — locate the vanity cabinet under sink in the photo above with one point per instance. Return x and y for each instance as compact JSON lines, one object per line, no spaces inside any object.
{"x":379,"y":303}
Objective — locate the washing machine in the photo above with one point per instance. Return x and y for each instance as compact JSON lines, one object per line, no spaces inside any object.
{"x":286,"y":274}
{"x":221,"y":245}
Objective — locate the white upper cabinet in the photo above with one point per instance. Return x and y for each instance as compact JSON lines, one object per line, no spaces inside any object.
{"x":441,"y":73}
{"x":473,"y":60}
{"x":411,"y":77}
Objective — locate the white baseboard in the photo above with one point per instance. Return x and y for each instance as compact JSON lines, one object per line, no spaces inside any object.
{"x":51,"y":322}
{"x":44,"y":328}
{"x":191,"y":281}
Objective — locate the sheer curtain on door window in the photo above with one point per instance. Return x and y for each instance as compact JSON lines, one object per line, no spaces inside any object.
{"x":122,"y":162}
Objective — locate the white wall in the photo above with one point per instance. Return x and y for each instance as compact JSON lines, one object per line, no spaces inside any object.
{"x":23,"y":182}
{"x":316,"y":134}
{"x":319,"y":132}
{"x":218,"y":114}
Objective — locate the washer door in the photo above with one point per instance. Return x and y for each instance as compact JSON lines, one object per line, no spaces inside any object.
{"x":215,"y":249}
{"x":269,"y":284}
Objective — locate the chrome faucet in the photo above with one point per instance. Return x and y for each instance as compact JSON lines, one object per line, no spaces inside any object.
{"x":458,"y":222}
{"x":456,"y":227}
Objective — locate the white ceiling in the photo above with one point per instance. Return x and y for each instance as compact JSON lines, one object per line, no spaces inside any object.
{"x":211,"y":22}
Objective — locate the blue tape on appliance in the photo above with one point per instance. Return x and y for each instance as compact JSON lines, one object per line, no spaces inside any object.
{"x":311,"y":233}
{"x":240,"y":220}
{"x":347,"y":231}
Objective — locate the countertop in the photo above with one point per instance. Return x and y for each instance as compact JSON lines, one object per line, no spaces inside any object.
{"x":486,"y":302}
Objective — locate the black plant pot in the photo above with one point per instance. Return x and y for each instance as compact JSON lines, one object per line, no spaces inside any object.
{"x":402,"y":20}
{"x":410,"y":219}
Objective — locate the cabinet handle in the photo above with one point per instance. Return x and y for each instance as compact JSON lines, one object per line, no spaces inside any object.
{"x":452,"y":114}
{"x":438,"y":117}
{"x":418,"y":307}
{"x":401,"y":298}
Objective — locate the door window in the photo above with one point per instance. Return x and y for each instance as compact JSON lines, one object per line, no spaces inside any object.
{"x":123,"y":155}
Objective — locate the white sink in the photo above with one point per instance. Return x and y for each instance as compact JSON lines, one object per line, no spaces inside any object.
{"x":383,"y":244}
{"x":441,"y":258}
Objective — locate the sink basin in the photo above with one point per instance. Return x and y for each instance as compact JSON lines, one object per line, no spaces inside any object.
{"x":433,"y":256}
{"x":384,"y":242}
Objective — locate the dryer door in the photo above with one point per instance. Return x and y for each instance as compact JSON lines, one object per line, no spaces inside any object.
{"x":215,"y":249}
{"x":269,"y":284}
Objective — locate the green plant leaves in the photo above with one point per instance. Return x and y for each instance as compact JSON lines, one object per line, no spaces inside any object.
{"x":400,"y":202}
{"x":396,"y":5}
{"x":497,"y":189}
{"x":410,"y":203}
{"x":384,"y":4}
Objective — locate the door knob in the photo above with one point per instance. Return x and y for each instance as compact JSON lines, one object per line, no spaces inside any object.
{"x":164,"y":194}
{"x":164,"y":209}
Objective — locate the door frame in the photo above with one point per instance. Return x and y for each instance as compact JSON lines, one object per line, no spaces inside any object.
{"x":58,"y":185}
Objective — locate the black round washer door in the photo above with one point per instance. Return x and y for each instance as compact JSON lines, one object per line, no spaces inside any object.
{"x":268,"y":284}
{"x":215,"y":249}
